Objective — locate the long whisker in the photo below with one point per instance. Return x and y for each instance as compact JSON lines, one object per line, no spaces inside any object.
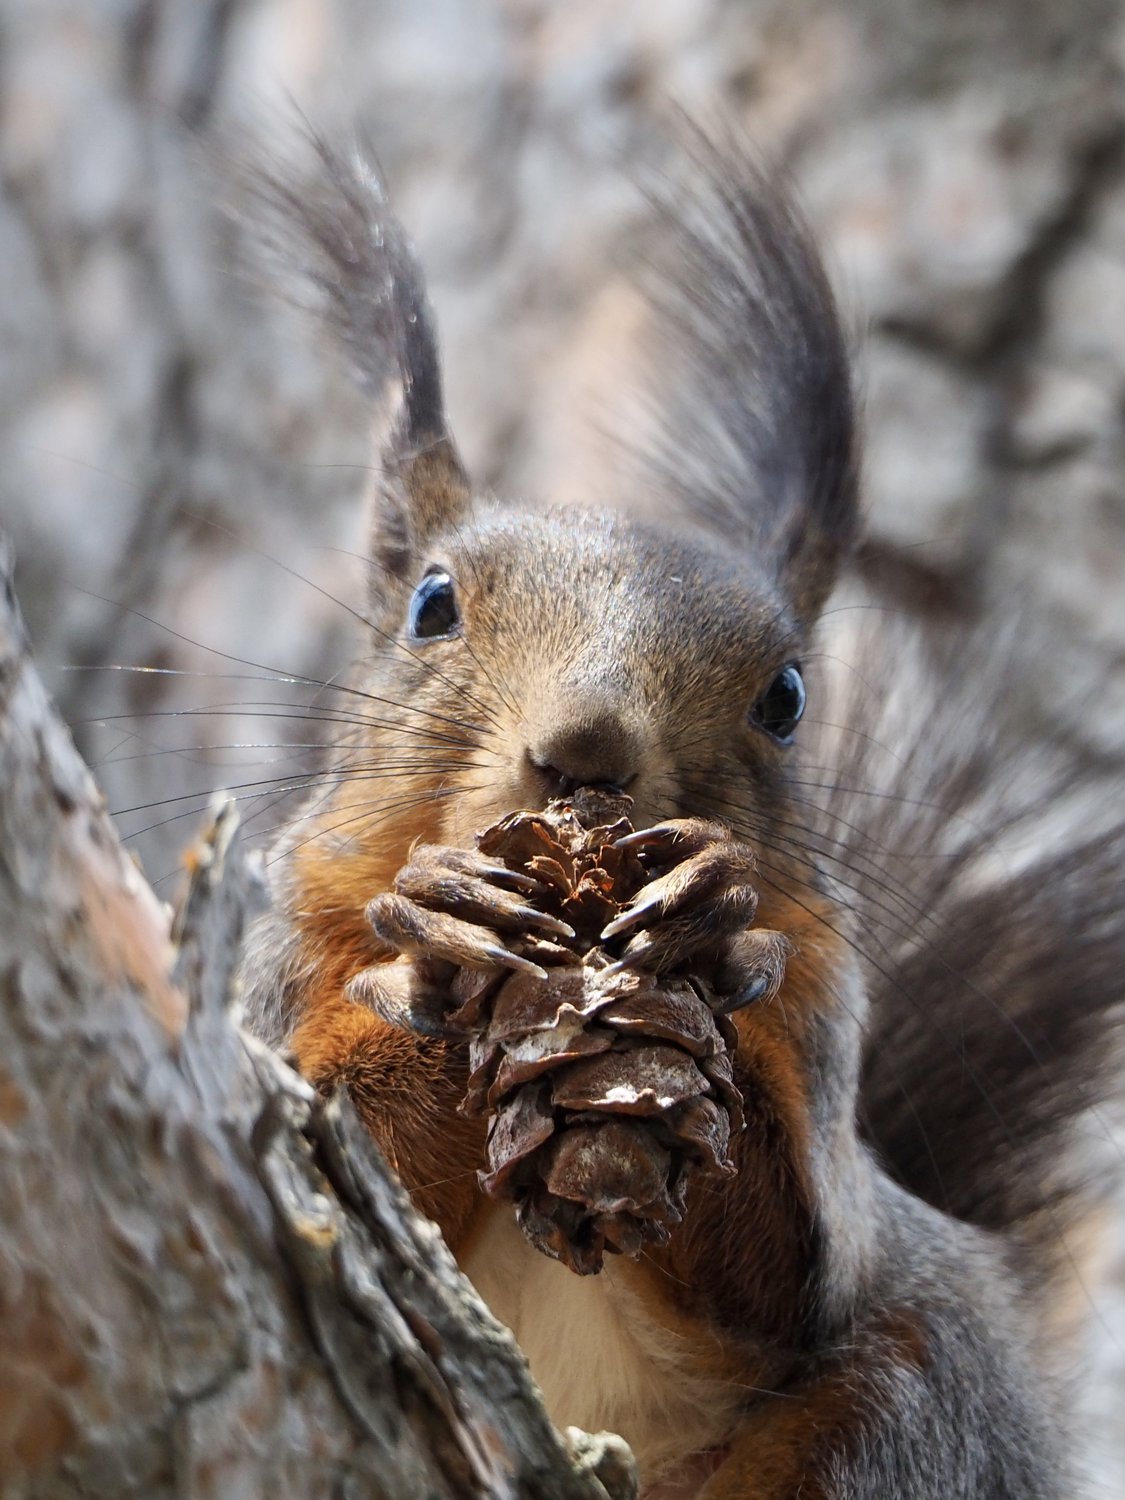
{"x":359,"y":617}
{"x":345,"y":777}
{"x":272,"y":674}
{"x":365,"y":817}
{"x":301,"y":713}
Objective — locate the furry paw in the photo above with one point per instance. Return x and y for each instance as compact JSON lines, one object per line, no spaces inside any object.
{"x":450,"y":908}
{"x":458,"y":905}
{"x":698,"y":908}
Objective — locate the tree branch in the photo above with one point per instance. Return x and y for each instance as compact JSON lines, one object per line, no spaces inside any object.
{"x":209,"y":1282}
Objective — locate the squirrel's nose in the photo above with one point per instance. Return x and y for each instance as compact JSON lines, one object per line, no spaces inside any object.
{"x":594,"y":746}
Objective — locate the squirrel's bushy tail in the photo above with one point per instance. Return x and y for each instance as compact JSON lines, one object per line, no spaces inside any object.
{"x":986,"y":876}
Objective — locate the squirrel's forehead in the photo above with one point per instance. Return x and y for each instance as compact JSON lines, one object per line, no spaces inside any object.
{"x":620,"y":583}
{"x":590,"y":553}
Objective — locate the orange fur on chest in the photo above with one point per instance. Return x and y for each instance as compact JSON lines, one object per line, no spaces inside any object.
{"x":406,"y":1089}
{"x":345,"y":858}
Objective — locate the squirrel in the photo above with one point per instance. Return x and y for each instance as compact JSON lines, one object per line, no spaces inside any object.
{"x":862,"y":1310}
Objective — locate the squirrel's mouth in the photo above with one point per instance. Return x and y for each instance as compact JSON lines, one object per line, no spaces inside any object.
{"x":483,"y":803}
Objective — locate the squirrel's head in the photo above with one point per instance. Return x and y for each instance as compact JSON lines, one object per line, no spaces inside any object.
{"x":527,"y":651}
{"x":567,"y":647}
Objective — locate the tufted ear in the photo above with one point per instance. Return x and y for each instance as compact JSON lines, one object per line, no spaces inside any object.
{"x":334,"y":228}
{"x":758,"y":432}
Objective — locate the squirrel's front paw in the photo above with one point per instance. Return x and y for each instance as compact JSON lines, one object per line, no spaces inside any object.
{"x":450,"y":908}
{"x":699,"y":907}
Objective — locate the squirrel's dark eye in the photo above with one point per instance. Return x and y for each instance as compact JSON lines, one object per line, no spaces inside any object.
{"x":433,"y":608}
{"x":779,"y":709}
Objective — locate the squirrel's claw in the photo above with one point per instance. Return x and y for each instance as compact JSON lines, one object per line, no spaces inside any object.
{"x":462,"y":883}
{"x":677,"y":839}
{"x":413,"y":930}
{"x":445,"y":859}
{"x":751,"y":969}
{"x":701,"y":903}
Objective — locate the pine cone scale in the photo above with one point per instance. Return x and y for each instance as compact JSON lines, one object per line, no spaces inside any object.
{"x":639,"y":1081}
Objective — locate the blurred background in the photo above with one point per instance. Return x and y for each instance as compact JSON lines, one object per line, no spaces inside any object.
{"x":184,"y":459}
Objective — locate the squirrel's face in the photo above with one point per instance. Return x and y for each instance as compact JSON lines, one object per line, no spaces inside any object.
{"x":571,"y":648}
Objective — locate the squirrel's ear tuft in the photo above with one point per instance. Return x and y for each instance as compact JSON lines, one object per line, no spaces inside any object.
{"x":333,"y":230}
{"x":756,"y":414}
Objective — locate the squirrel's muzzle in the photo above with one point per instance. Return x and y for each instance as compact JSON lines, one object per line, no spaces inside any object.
{"x":588,"y":742}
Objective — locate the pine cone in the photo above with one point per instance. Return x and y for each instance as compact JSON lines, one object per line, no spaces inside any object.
{"x":607,"y":1089}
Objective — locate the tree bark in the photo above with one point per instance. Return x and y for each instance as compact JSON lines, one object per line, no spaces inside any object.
{"x":210,"y":1285}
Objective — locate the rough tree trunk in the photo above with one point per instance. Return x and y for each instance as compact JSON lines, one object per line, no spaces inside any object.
{"x":210,"y":1286}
